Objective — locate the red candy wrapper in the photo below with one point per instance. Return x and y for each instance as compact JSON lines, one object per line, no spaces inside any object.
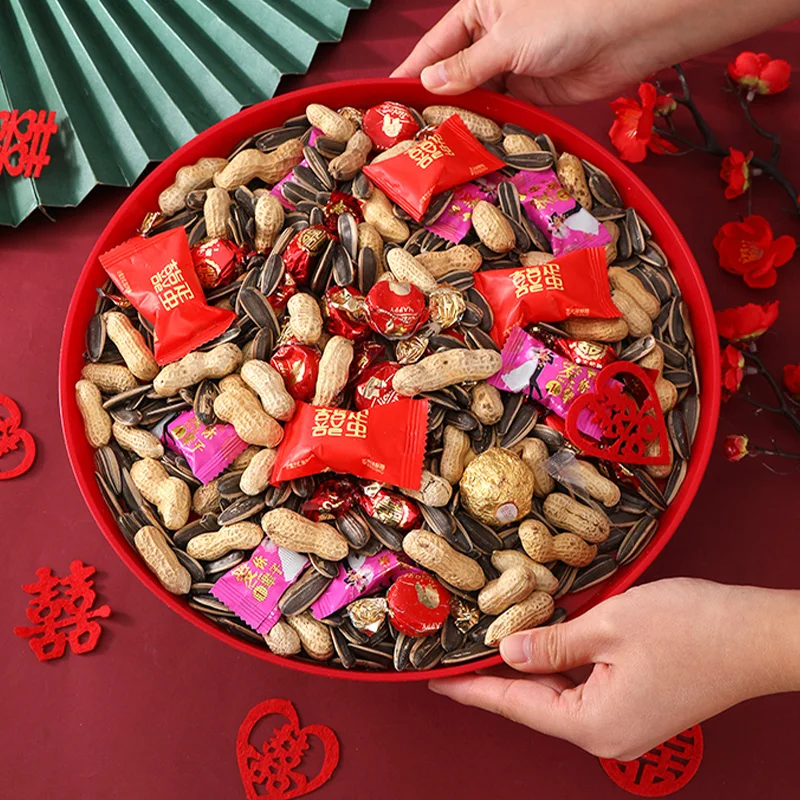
{"x":340,"y":203}
{"x":157,"y":275}
{"x":418,"y":604}
{"x":374,"y":386}
{"x":588,"y":354}
{"x":345,"y":312}
{"x":298,"y":364}
{"x":395,"y":310}
{"x":216,"y":262}
{"x":385,"y":443}
{"x":389,"y":123}
{"x":330,"y":499}
{"x":575,"y":285}
{"x":448,"y":157}
{"x":388,"y":507}
{"x":280,"y":297}
{"x":365,"y":355}
{"x":302,"y":250}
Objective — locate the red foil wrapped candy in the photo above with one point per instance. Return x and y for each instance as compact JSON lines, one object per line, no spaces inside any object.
{"x":389,"y":123}
{"x":395,"y":310}
{"x":331,"y":498}
{"x":374,"y":386}
{"x":216,"y":262}
{"x":388,"y":507}
{"x":418,"y":604}
{"x":302,"y":250}
{"x":345,"y":312}
{"x":298,"y":364}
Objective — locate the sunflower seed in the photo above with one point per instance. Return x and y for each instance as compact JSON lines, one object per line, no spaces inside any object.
{"x":637,"y":539}
{"x":508,"y":197}
{"x":303,"y":592}
{"x":343,"y":268}
{"x":241,"y":509}
{"x":638,"y":349}
{"x":524,"y":422}
{"x":426,"y":653}
{"x":437,"y":207}
{"x":223,"y":564}
{"x":676,"y":479}
{"x":386,"y":535}
{"x":96,"y":337}
{"x":330,"y":569}
{"x":599,"y":570}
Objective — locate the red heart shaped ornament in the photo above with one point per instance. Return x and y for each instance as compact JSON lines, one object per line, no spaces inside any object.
{"x":274,"y":767}
{"x":11,"y":436}
{"x":627,"y":426}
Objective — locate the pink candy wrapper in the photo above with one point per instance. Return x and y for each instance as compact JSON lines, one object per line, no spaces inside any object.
{"x":567,"y":225}
{"x":553,"y":381}
{"x":358,"y":575}
{"x":208,"y":449}
{"x":276,"y":189}
{"x":252,"y":589}
{"x":455,"y":221}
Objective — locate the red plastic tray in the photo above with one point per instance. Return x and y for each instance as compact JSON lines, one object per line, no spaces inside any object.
{"x":219,"y":141}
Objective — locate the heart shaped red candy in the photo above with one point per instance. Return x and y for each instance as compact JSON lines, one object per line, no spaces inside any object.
{"x":627,"y":427}
{"x":274,"y":767}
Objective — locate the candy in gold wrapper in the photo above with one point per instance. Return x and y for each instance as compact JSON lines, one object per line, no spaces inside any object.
{"x":409,"y":351}
{"x":497,"y":487}
{"x":446,"y":305}
{"x":367,"y":613}
{"x":355,"y":115}
{"x":464,"y":614}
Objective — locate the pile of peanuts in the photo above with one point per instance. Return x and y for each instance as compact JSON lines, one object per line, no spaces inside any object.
{"x":502,"y":579}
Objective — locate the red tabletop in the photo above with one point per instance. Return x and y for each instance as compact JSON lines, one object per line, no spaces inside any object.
{"x":154,"y":711}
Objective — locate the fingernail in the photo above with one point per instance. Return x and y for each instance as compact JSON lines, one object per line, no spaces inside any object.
{"x":515,"y":650}
{"x":434,"y":77}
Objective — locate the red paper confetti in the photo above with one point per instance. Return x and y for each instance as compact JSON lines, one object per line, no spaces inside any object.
{"x":273,"y":770}
{"x":12,"y":436}
{"x":627,"y":428}
{"x":24,"y":139}
{"x":662,"y":770}
{"x":61,"y":603}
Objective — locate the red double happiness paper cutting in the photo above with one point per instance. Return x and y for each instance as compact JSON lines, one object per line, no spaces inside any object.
{"x":61,"y":612}
{"x":661,"y":771}
{"x":13,"y":438}
{"x":273,"y":768}
{"x":24,"y":139}
{"x":629,"y":417}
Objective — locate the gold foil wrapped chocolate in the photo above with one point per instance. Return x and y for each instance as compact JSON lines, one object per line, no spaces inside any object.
{"x":367,"y":613}
{"x":446,"y":305}
{"x":497,"y":487}
{"x":409,"y":351}
{"x":464,"y":614}
{"x":355,"y":115}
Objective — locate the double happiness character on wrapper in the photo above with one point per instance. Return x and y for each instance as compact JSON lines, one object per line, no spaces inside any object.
{"x":566,"y":224}
{"x":574,"y":285}
{"x":158,"y":276}
{"x":448,"y":157}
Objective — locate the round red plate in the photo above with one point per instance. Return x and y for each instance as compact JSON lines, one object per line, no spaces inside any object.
{"x":662,"y":770}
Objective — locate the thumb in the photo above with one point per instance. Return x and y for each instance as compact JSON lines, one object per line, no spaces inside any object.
{"x":555,"y":648}
{"x":468,"y":68}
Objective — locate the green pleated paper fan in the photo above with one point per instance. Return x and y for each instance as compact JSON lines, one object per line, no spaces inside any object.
{"x":132,"y":80}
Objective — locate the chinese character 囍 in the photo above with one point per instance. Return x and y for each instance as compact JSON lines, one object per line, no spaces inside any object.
{"x":340,"y":422}
{"x":61,"y":603}
{"x":170,"y":286}
{"x":24,"y":139}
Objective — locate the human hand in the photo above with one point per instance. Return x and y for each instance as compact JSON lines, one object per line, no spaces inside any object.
{"x":572,"y":51}
{"x":666,"y":655}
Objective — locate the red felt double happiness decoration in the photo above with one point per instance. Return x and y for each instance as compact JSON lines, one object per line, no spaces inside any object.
{"x":12,"y":437}
{"x":627,"y":427}
{"x":24,"y":139}
{"x":60,"y":604}
{"x":662,"y":770}
{"x":272,"y":771}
